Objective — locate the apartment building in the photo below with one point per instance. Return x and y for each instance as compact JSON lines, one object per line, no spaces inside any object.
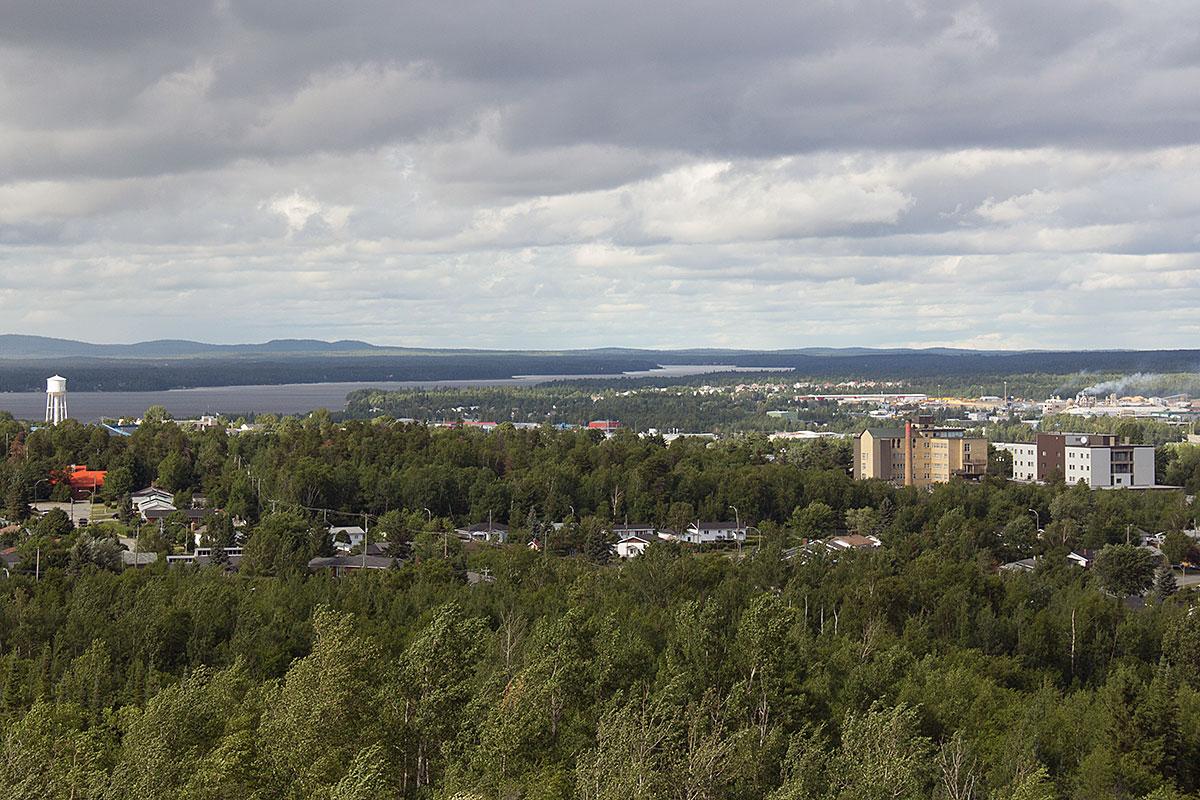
{"x":1100,"y":460}
{"x":919,"y":454}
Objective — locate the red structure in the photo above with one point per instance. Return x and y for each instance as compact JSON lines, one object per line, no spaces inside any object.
{"x":606,"y":425}
{"x":84,"y":481}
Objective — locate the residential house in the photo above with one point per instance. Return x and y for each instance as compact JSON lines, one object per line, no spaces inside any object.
{"x":491,"y":532}
{"x":709,"y":532}
{"x":852,"y":541}
{"x":347,"y":537}
{"x":631,"y":546}
{"x":346,"y":563}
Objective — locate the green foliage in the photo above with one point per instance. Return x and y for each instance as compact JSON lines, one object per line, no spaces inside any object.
{"x":915,"y":670}
{"x":1124,"y":569}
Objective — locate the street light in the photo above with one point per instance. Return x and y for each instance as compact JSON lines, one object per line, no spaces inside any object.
{"x":737,"y":527}
{"x":1037,"y":519}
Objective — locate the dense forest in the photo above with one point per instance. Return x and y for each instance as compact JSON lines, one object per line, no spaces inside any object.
{"x":153,"y":366}
{"x":916,"y":670}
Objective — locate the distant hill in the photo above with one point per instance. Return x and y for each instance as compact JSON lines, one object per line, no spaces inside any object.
{"x":25,"y":361}
{"x":18,"y":346}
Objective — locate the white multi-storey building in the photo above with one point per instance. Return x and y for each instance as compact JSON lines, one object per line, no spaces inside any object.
{"x":1098,"y":460}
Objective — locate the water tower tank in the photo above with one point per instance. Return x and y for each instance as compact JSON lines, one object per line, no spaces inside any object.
{"x":56,"y":385}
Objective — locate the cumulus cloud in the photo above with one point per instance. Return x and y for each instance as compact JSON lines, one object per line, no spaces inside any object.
{"x":1022,"y":174}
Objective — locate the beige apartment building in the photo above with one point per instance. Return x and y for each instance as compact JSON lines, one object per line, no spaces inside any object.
{"x":919,"y":454}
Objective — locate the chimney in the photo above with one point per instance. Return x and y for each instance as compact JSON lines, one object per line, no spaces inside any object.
{"x":908,"y":453}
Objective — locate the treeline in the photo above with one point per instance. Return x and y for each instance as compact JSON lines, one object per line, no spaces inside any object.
{"x":121,"y":374}
{"x":914,"y":671}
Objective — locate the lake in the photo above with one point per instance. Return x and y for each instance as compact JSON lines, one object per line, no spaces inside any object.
{"x":286,"y":398}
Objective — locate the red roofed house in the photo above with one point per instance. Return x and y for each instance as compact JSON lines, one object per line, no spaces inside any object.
{"x":84,"y":481}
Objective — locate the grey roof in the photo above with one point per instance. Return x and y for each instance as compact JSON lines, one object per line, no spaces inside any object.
{"x":351,"y":562}
{"x":487,"y":527}
{"x":885,"y":433}
{"x":717,"y":526}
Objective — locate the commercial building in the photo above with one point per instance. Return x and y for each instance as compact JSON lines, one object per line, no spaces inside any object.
{"x":919,"y":454}
{"x":1100,"y":460}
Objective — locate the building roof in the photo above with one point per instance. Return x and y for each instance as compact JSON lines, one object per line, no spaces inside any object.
{"x":855,"y":541}
{"x":80,"y":477}
{"x":633,"y":538}
{"x":486,"y":527}
{"x":351,"y":562}
{"x":151,"y":491}
{"x":885,"y":433}
{"x":715,"y":526}
{"x":162,"y":513}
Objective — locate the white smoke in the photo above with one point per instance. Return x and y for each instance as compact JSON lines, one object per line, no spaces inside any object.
{"x":1138,"y":382}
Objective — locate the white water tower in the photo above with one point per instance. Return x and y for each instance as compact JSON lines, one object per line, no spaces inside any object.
{"x":56,"y":399}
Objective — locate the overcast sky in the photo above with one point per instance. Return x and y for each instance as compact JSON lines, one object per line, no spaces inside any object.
{"x":1010,"y":174}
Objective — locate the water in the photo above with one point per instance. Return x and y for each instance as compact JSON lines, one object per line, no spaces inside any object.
{"x":286,"y":398}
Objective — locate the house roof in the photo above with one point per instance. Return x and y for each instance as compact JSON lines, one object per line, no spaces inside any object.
{"x":151,"y":490}
{"x":855,"y":540}
{"x":715,"y":526}
{"x":162,"y":513}
{"x":351,"y":562}
{"x":348,"y":529}
{"x":633,"y":538}
{"x":486,"y":527}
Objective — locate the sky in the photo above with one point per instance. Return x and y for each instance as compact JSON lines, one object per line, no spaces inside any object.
{"x":1017,"y":174}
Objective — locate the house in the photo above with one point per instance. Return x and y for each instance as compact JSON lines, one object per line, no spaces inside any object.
{"x":343,"y":564}
{"x":631,"y":545}
{"x":853,"y":541}
{"x":1083,"y":558}
{"x":708,"y":532}
{"x":643,"y":529}
{"x":1021,"y":565}
{"x":194,"y":515}
{"x":151,"y":493}
{"x":10,"y":559}
{"x":347,"y":537}
{"x":151,"y":498}
{"x":138,"y":559}
{"x":492,"y":532}
{"x":154,"y":506}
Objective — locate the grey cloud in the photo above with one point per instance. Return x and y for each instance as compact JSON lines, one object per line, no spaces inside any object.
{"x":799,"y":173}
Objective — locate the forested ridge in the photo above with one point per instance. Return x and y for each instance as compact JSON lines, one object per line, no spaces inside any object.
{"x":912,"y":671}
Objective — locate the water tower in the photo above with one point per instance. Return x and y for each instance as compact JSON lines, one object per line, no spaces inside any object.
{"x":56,"y":399}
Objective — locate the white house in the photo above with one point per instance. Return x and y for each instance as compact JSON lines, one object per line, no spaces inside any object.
{"x":152,"y":498}
{"x":347,"y":537}
{"x":707,"y":532}
{"x":155,"y":508}
{"x":631,"y":546}
{"x":492,"y":532}
{"x":853,"y":541}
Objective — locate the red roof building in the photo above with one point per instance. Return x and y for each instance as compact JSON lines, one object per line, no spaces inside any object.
{"x":83,"y":479}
